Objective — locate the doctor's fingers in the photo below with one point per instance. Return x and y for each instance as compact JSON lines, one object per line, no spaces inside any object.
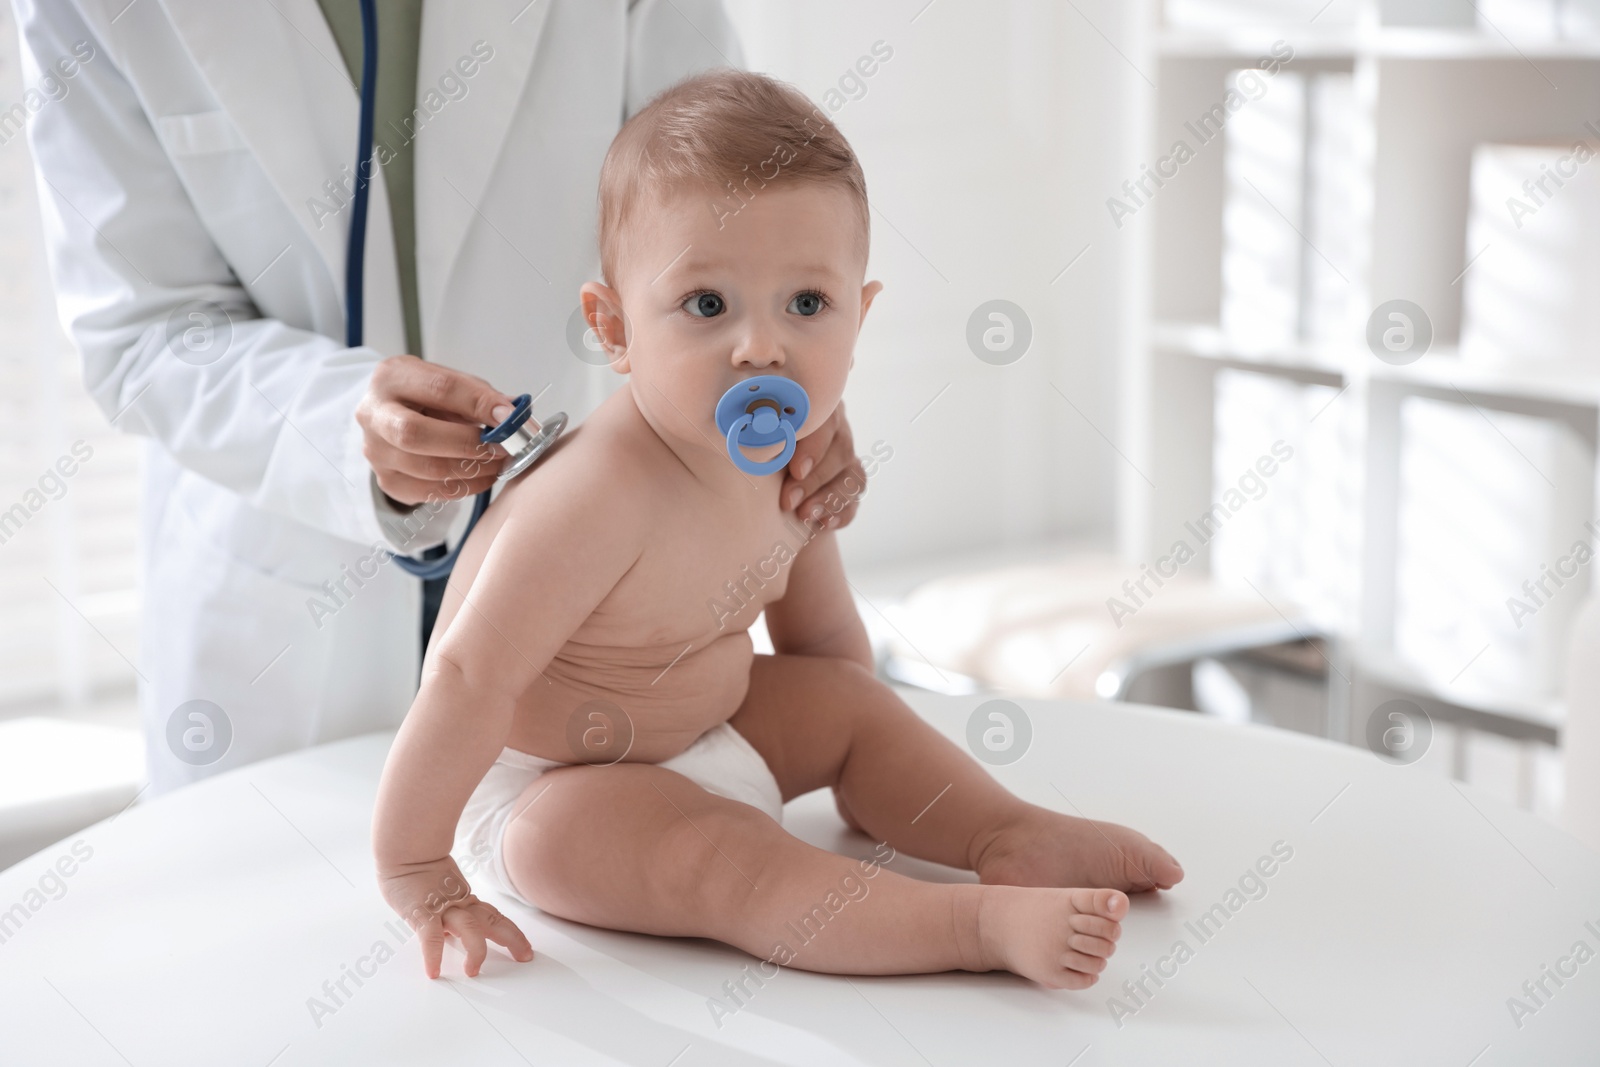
{"x":408,"y":490}
{"x":839,"y":496}
{"x":383,"y":456}
{"x":421,"y":384}
{"x":410,"y":430}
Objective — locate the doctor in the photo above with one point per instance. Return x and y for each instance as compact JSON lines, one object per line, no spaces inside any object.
{"x":195,"y":190}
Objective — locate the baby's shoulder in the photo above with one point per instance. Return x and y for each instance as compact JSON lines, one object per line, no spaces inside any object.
{"x":589,"y":471}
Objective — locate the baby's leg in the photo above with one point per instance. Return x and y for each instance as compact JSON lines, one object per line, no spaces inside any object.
{"x":822,"y":721}
{"x":638,"y":847}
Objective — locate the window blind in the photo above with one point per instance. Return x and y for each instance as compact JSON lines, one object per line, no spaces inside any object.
{"x":69,"y":482}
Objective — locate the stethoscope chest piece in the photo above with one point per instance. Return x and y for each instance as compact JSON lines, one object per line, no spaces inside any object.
{"x":525,"y":447}
{"x":758,"y":411}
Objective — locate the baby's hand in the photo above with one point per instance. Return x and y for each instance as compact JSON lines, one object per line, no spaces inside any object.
{"x":435,"y":900}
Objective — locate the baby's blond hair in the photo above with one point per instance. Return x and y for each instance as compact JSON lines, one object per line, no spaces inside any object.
{"x":734,"y":132}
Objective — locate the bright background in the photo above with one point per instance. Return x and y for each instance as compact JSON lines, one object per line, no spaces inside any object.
{"x":1167,"y":356}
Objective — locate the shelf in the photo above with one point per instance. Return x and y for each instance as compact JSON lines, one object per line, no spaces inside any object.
{"x":1416,"y":103}
{"x":1209,"y":342}
{"x":1399,"y":43}
{"x":1573,"y":385}
{"x":1569,"y":384}
{"x":1254,"y":42}
{"x":1389,"y":43}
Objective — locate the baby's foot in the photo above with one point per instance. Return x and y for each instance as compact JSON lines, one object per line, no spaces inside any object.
{"x":1060,"y":938}
{"x":1046,"y":848}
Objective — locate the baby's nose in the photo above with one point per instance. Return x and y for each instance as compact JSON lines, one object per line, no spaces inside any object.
{"x":761,"y":348}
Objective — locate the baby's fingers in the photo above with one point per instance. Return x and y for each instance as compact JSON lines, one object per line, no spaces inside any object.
{"x":431,"y":938}
{"x":465,"y":925}
{"x":502,"y":931}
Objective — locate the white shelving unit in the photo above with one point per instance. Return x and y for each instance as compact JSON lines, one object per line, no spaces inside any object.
{"x":1430,"y":82}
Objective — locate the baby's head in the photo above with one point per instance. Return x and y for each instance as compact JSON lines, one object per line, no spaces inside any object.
{"x":733,"y":242}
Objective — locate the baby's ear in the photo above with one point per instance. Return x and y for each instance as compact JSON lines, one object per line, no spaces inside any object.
{"x":868,"y":293}
{"x":607,"y":333}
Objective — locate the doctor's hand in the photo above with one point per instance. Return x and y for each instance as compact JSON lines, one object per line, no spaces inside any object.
{"x":435,"y":900}
{"x":420,"y":424}
{"x":825,"y":474}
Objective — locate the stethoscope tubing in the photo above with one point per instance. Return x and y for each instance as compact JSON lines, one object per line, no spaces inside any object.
{"x":355,"y":257}
{"x":355,"y":267}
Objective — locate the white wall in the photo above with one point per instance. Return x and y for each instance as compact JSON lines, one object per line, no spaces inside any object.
{"x":990,"y":141}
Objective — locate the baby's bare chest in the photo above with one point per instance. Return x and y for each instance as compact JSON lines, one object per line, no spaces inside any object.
{"x":705,"y":572}
{"x":668,"y":644}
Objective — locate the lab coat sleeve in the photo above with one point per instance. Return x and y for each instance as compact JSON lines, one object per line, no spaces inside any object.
{"x":273,"y":418}
{"x":670,"y":39}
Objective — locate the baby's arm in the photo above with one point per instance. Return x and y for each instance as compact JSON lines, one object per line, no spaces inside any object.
{"x":564,"y":544}
{"x":816,"y":615}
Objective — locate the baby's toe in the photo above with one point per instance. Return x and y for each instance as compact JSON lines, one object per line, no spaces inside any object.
{"x":1070,"y":979}
{"x":1111,"y":903}
{"x":1083,"y":962}
{"x":1096,"y":926}
{"x":1154,"y":868}
{"x":1168,"y":871}
{"x":1091,"y":945}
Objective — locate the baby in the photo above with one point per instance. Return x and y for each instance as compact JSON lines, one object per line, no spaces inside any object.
{"x":593,"y":724}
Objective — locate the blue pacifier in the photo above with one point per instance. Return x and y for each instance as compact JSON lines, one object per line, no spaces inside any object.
{"x":760,"y":411}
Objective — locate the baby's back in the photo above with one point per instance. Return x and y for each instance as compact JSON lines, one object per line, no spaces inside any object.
{"x":666,"y":653}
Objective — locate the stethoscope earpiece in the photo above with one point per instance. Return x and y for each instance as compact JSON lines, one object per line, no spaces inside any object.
{"x":761,"y":411}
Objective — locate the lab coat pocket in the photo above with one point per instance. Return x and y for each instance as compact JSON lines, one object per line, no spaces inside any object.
{"x":231,"y":193}
{"x":199,"y":133}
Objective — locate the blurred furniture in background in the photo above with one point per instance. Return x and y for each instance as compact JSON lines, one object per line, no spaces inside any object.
{"x":58,"y":776}
{"x":1082,"y":626}
{"x":1332,"y":261}
{"x":1580,"y":740}
{"x":1363,"y":398}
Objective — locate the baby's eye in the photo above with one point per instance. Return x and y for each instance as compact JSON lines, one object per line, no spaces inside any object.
{"x":808,"y":303}
{"x":705,"y":305}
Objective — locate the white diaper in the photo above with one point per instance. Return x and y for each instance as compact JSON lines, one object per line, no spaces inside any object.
{"x":720,"y":761}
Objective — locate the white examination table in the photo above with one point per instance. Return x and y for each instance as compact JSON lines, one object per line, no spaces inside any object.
{"x":199,"y":926}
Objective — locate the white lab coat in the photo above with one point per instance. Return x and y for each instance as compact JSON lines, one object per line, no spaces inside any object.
{"x":186,"y":162}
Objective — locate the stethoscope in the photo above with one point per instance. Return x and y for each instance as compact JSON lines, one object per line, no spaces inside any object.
{"x":754,"y":412}
{"x":513,"y":433}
